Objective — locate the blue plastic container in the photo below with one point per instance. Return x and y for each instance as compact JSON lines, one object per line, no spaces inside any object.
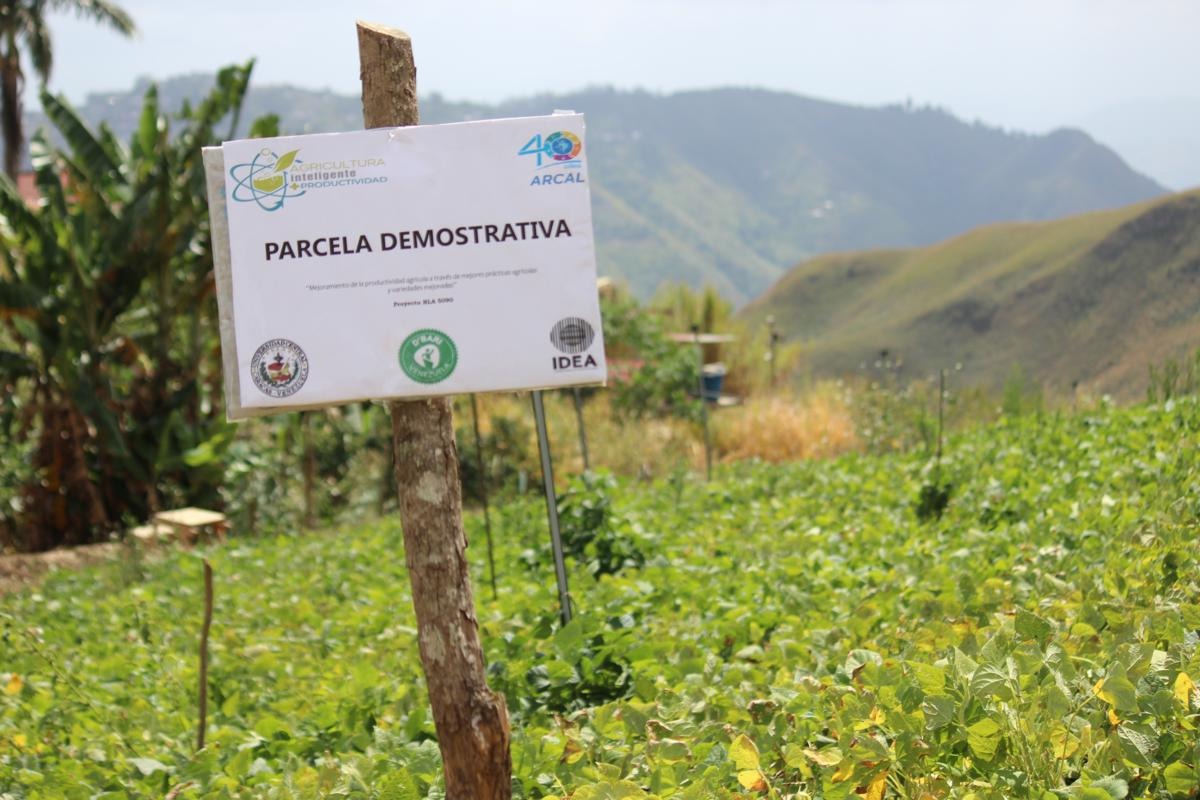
{"x":712,"y":378}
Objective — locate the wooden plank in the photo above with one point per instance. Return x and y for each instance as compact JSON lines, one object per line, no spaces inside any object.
{"x":190,"y":517}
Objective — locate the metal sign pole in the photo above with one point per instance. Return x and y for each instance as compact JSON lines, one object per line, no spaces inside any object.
{"x":560,"y":567}
{"x":583,"y":448}
{"x":483,"y":491}
{"x":941,"y":422}
{"x":703,"y":405}
{"x":772,"y":338}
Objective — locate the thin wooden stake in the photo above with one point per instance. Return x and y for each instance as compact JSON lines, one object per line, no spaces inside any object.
{"x":471,"y":720}
{"x":483,"y":490}
{"x":310,"y":470}
{"x":583,"y":447}
{"x":208,"y":611}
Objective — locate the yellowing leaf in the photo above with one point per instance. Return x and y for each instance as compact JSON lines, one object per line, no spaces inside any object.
{"x":830,"y":757}
{"x":877,"y":787}
{"x":670,"y":751}
{"x":844,"y":772}
{"x":1062,"y":743}
{"x":876,"y":717}
{"x":14,"y":685}
{"x":752,"y":779}
{"x":984,"y":739}
{"x":1113,"y":719}
{"x":572,"y":752}
{"x":1184,"y":687}
{"x":743,"y":753}
{"x":19,"y":740}
{"x":1116,"y":690}
{"x":1180,"y":779}
{"x":610,"y":790}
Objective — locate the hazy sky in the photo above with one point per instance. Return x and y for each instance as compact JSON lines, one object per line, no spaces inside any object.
{"x":1028,"y":64}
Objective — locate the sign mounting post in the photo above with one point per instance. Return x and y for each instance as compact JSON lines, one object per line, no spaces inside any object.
{"x":471,"y":720}
{"x":409,"y":263}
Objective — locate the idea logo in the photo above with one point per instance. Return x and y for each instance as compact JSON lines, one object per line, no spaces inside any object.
{"x":573,"y":336}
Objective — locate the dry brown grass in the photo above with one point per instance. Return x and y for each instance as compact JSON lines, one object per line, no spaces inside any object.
{"x":646,"y":448}
{"x":787,"y":427}
{"x":778,"y":428}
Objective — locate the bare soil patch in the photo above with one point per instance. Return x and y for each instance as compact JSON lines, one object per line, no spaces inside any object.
{"x":23,"y":570}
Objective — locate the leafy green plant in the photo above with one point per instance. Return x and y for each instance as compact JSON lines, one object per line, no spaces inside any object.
{"x":1021,"y":395}
{"x":108,"y":312}
{"x":794,"y":631}
{"x":656,"y":377}
{"x":593,"y":532}
{"x":508,"y":451}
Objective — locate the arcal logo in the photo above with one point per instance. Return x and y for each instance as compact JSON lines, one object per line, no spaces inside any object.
{"x":265,"y":180}
{"x":559,"y":149}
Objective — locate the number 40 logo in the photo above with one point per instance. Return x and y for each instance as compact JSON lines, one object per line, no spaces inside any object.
{"x":557,"y":148}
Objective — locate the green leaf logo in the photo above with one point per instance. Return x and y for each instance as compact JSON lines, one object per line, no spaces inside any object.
{"x":285,"y":161}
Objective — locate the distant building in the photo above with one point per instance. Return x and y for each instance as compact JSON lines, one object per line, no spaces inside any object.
{"x":27,"y":187}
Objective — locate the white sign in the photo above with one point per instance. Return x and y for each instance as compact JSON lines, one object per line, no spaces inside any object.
{"x":407,"y":262}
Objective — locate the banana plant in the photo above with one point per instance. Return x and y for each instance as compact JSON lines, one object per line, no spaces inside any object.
{"x":108,"y":344}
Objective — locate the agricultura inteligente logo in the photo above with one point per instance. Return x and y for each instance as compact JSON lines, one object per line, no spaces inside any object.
{"x":270,"y":179}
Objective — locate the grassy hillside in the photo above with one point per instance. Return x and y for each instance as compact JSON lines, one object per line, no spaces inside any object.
{"x":783,"y":632}
{"x":728,"y":186}
{"x":1093,"y":298}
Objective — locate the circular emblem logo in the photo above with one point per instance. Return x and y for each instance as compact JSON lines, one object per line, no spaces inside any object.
{"x":572,"y":335}
{"x":563,"y":145}
{"x":428,"y":356}
{"x":279,"y":368}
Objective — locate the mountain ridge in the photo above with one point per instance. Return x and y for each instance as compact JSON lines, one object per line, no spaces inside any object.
{"x":1091,"y":299}
{"x":728,"y":186}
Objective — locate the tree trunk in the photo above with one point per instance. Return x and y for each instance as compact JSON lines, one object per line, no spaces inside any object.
{"x":10,"y":113}
{"x":471,"y":720}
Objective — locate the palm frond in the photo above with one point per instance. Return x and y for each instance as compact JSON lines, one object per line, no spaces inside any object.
{"x":102,"y":11}
{"x":92,"y":157}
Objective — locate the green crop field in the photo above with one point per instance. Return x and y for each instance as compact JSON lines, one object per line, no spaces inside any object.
{"x":783,"y":632}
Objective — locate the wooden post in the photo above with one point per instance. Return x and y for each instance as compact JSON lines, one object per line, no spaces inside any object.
{"x":471,"y":720}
